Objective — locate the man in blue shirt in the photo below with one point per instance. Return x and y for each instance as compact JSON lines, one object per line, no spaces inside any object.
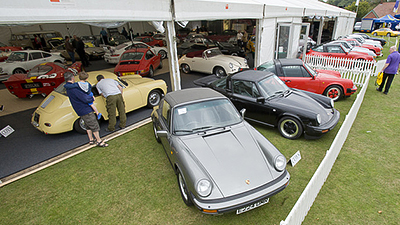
{"x":390,"y":69}
{"x":80,"y":103}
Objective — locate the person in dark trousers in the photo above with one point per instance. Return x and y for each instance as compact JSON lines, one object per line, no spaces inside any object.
{"x":390,"y":69}
{"x":80,"y":50}
{"x":112,"y":91}
{"x":80,"y":103}
{"x":104,"y":36}
{"x":70,"y":49}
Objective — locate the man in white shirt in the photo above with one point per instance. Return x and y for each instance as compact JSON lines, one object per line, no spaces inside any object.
{"x":112,"y":91}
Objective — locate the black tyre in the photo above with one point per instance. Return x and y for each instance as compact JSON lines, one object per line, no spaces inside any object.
{"x":19,"y":70}
{"x":185,"y":68}
{"x":163,"y":54}
{"x":388,"y":35}
{"x":151,"y":72}
{"x":183,"y":189}
{"x":375,"y":34}
{"x":334,"y":92}
{"x":79,"y":126}
{"x":290,"y":128}
{"x":155,"y":132}
{"x":154,"y":98}
{"x":219,"y":71}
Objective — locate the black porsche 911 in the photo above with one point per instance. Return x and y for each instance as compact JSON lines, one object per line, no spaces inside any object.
{"x":269,"y":101}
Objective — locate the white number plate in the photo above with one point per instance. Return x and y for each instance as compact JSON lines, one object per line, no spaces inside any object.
{"x":252,"y":206}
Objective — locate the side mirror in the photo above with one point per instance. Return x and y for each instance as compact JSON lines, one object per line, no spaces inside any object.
{"x":242,"y":112}
{"x":261,"y":100}
{"x":162,"y":133}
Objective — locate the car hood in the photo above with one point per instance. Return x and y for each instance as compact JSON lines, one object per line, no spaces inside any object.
{"x":231,"y":157}
{"x":300,"y":103}
{"x":328,"y":74}
{"x":236,"y":60}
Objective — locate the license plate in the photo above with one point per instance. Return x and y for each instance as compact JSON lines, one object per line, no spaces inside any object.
{"x":31,"y":85}
{"x":252,"y":206}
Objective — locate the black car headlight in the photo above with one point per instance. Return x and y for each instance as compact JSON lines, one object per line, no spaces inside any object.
{"x":280,"y":162}
{"x":204,"y":187}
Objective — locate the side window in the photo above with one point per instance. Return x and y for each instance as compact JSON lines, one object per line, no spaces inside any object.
{"x":45,"y":55}
{"x":292,"y":71}
{"x":334,"y":49}
{"x":319,"y":49}
{"x":166,"y":113}
{"x":36,"y":55}
{"x":245,"y":88}
{"x":304,"y":72}
{"x":149,"y":54}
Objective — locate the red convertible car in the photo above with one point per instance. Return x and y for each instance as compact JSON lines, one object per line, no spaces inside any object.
{"x":41,"y":79}
{"x":141,"y":61}
{"x":338,"y":51}
{"x":150,"y":41}
{"x":299,"y":75}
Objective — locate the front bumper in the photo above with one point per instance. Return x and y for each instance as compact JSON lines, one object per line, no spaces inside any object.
{"x":241,"y":200}
{"x":351,"y":91}
{"x":313,"y":132}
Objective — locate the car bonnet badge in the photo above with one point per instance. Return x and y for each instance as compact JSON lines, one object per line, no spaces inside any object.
{"x":247,"y":181}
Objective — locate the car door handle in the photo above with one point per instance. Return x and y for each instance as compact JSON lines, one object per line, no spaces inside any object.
{"x":288,"y":81}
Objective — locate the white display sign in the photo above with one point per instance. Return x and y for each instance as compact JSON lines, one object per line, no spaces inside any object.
{"x":295,"y":158}
{"x":6,"y":131}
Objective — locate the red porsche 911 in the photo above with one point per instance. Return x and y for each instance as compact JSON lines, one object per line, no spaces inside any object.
{"x":140,"y":61}
{"x":41,"y":79}
{"x":296,"y":74}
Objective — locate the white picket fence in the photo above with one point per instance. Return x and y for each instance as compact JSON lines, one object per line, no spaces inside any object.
{"x":360,"y":76}
{"x":355,"y":70}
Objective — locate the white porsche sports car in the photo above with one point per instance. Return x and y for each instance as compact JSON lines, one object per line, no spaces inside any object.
{"x":212,"y":61}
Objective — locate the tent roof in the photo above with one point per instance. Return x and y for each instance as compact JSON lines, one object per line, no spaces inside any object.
{"x":69,"y":11}
{"x":386,"y":19}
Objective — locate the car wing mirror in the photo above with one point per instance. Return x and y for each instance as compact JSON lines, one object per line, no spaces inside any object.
{"x":242,"y":112}
{"x":162,"y":133}
{"x":261,"y":100}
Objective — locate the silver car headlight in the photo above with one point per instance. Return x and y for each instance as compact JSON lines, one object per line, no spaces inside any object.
{"x":280,"y":162}
{"x":231,"y":65}
{"x":318,"y":118}
{"x":245,"y":61}
{"x":203,"y":188}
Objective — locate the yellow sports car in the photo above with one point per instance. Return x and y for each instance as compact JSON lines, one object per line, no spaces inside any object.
{"x":385,"y":32}
{"x":56,"y":115}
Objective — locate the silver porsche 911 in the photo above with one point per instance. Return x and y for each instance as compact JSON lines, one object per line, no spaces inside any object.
{"x":222,"y":163}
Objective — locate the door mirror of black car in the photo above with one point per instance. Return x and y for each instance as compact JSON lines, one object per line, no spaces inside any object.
{"x":242,"y":112}
{"x":261,"y":99}
{"x":162,"y":133}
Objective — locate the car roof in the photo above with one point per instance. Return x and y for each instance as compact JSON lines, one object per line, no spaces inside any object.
{"x":290,"y":62}
{"x":191,"y":95}
{"x":136,"y":50}
{"x":252,"y":75}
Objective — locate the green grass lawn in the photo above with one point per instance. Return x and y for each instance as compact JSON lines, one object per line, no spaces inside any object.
{"x":132,"y":182}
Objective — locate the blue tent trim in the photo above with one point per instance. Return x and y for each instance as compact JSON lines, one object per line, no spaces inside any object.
{"x":387,"y":19}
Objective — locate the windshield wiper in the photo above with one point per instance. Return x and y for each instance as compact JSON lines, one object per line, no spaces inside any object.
{"x":201,"y":128}
{"x":276,"y":94}
{"x":287,"y":92}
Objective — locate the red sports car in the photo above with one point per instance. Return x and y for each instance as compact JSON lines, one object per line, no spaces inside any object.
{"x":337,"y":50}
{"x":150,"y":41}
{"x":299,"y":75}
{"x":41,"y":79}
{"x":6,"y":48}
{"x":141,"y":61}
{"x":354,"y":42}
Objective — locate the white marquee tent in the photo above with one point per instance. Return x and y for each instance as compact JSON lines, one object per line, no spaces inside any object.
{"x":70,"y":15}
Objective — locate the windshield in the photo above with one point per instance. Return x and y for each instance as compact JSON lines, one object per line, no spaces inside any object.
{"x":272,"y":86}
{"x":39,"y":70}
{"x":212,"y":52}
{"x":313,"y":72}
{"x":202,"y":116}
{"x":17,"y":57}
{"x":132,"y":56}
{"x":268,"y":66}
